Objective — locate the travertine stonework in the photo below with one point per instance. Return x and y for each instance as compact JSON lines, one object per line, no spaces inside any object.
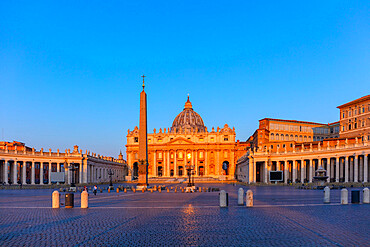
{"x":188,"y":141}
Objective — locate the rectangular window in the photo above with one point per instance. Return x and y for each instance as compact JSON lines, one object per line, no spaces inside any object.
{"x":136,"y":139}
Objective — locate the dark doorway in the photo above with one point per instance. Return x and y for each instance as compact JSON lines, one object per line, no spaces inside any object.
{"x":160,"y":171}
{"x":181,"y":171}
{"x":201,"y":171}
{"x":135,"y":170}
{"x":171,"y":173}
{"x":258,"y":172}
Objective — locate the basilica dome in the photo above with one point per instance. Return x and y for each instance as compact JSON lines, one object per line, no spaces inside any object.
{"x":187,"y":120}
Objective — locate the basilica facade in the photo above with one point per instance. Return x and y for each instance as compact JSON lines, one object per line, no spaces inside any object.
{"x":187,"y":143}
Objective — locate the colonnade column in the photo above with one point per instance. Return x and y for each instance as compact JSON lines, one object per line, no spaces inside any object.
{"x":49,"y":173}
{"x":303,"y":171}
{"x":355,"y":179}
{"x":6,"y":179}
{"x":285,"y":171}
{"x":294,"y":171}
{"x":365,"y":168}
{"x":328,"y":169}
{"x":80,"y":173}
{"x":15,"y":171}
{"x":24,"y":172}
{"x":337,"y":169}
{"x":41,"y":172}
{"x":310,"y":171}
{"x":346,"y":169}
{"x":32,"y":172}
{"x":265,"y":177}
{"x":206,"y":163}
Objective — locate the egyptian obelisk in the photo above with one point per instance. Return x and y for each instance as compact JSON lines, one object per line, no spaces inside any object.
{"x":143,"y":142}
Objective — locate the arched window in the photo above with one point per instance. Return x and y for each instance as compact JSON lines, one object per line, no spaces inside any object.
{"x":277,"y":137}
{"x":305,"y":138}
{"x":296,"y":138}
{"x":287,"y":137}
{"x":282,"y":137}
{"x":291,"y":137}
{"x":272,"y":136}
{"x":300,"y":138}
{"x":309,"y":138}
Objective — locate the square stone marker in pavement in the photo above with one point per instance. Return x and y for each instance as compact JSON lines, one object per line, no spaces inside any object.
{"x":281,"y":216}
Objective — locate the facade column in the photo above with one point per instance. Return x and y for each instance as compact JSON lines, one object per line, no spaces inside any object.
{"x":15,"y":172}
{"x":206,"y":162}
{"x":169,"y":164}
{"x":155,"y":164}
{"x":33,"y":175}
{"x":310,"y":171}
{"x":175,"y":174}
{"x":355,"y":179}
{"x":285,"y":171}
{"x":217,"y":166}
{"x":84,"y":168}
{"x":6,"y":178}
{"x":196,"y":163}
{"x":336,"y":169}
{"x":365,"y":168}
{"x":346,"y":169}
{"x":24,"y":178}
{"x":254,"y":171}
{"x":328,"y":169}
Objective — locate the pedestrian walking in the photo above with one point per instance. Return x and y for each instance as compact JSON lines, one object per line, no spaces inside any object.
{"x":95,"y":189}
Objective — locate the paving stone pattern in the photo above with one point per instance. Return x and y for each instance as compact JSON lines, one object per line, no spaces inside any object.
{"x":282,"y":216}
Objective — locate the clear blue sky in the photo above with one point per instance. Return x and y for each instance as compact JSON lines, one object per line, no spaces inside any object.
{"x":70,"y":70}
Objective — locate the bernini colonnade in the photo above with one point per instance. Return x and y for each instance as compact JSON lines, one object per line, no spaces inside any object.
{"x":31,"y":167}
{"x":343,"y":162}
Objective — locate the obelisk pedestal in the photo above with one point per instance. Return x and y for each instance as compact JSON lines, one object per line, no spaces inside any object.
{"x":143,"y":143}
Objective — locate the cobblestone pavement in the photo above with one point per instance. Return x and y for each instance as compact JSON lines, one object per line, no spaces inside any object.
{"x":282,"y":216}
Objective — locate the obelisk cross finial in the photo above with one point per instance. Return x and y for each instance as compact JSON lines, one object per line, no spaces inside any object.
{"x":143,"y":81}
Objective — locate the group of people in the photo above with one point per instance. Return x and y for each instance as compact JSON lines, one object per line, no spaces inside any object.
{"x":95,"y":189}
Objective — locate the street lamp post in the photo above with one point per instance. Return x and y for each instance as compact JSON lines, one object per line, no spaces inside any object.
{"x":189,"y":168}
{"x":72,"y":167}
{"x":110,"y":173}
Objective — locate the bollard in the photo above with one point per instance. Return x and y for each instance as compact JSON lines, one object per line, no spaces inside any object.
{"x":108,"y":190}
{"x":84,"y":199}
{"x":168,"y":190}
{"x":159,"y":189}
{"x":117,"y":190}
{"x":223,"y":199}
{"x":55,"y":198}
{"x":134,"y":190}
{"x":200,"y":189}
{"x":240,"y":196}
{"x":366,"y":196}
{"x":249,"y":199}
{"x":125,"y":190}
{"x":344,"y":196}
{"x":326,"y":194}
{"x":175,"y":189}
{"x":142,"y":190}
